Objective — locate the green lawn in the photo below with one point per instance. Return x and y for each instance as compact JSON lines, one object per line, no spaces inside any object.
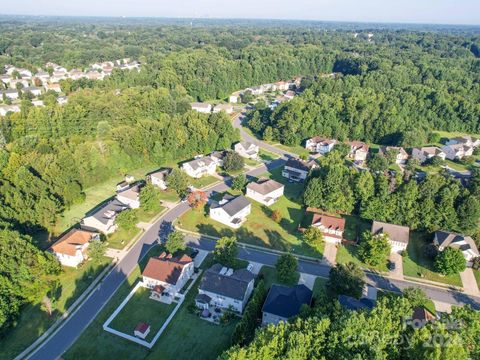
{"x":267,"y":155}
{"x":456,"y":166}
{"x":416,"y":264}
{"x":477,"y":276}
{"x":355,"y":226}
{"x":297,"y":149}
{"x":140,"y":308}
{"x":95,"y":195}
{"x":319,"y":286}
{"x":269,"y":275}
{"x":33,"y":322}
{"x":260,"y":229}
{"x":186,"y":335}
{"x":169,"y":195}
{"x":251,"y":162}
{"x":348,"y":253}
{"x":203,"y":181}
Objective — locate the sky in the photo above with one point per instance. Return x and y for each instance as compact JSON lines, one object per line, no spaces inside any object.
{"x":400,"y":11}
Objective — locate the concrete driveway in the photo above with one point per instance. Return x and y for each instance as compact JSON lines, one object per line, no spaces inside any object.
{"x":307,"y":280}
{"x":469,"y":282}
{"x":442,"y":307}
{"x":330,"y":254}
{"x":397,"y":259}
{"x":256,"y":267}
{"x":202,"y":254}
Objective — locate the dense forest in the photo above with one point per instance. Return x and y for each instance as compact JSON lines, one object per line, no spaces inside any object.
{"x":394,"y":89}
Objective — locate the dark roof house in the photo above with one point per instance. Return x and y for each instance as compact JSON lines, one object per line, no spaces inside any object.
{"x":284,"y":302}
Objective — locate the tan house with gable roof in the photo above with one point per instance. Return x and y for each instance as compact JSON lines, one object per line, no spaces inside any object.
{"x":398,"y":236}
{"x":425,"y":153}
{"x":265,"y":191}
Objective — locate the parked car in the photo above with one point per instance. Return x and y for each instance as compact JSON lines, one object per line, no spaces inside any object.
{"x":391,"y":265}
{"x":194,"y":253}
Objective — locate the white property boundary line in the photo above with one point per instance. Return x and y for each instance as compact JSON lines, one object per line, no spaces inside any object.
{"x":150,"y":344}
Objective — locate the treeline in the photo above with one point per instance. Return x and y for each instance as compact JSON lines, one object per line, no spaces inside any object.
{"x":433,"y":203}
{"x":397,"y":99}
{"x":26,"y":275}
{"x":50,"y":154}
{"x":329,"y":332}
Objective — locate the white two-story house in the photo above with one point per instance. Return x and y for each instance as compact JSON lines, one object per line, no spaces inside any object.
{"x":425,"y":153}
{"x":130,"y":197}
{"x":466,"y":140}
{"x":231,"y":211}
{"x":166,"y":275}
{"x":265,"y":191}
{"x":200,"y":167}
{"x":71,"y":249}
{"x":331,"y":227}
{"x":457,"y":151}
{"x":320,"y":145}
{"x":398,"y":236}
{"x":247,"y":150}
{"x":159,"y":178}
{"x":358,"y":151}
{"x":225,"y":288}
{"x":103,"y":218}
{"x":465,"y":244}
{"x":401,"y":156}
{"x":204,"y":108}
{"x":297,"y":170}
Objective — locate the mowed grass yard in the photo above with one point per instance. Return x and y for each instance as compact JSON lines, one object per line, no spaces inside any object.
{"x":186,"y":337}
{"x":416,"y":264}
{"x":33,"y":321}
{"x":140,"y":308}
{"x":260,"y":229}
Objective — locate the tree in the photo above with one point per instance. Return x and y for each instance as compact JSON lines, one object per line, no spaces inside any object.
{"x":450,"y":261}
{"x":197,"y":199}
{"x":276,"y":216}
{"x":150,"y":198}
{"x":374,"y":249}
{"x":96,"y":251}
{"x":178,"y":181}
{"x":127,"y":219}
{"x":225,"y":251}
{"x":346,"y":279}
{"x":435,"y":161}
{"x":313,"y":236}
{"x":239,"y":182}
{"x":378,"y":162}
{"x":175,"y":242}
{"x":286,"y":268}
{"x":233,"y":162}
{"x":415,"y":296}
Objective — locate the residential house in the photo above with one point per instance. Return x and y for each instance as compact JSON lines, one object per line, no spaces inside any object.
{"x":420,"y":317}
{"x":13,"y":83}
{"x":225,"y":107}
{"x":103,"y":219}
{"x":265,"y":191}
{"x":247,"y":150}
{"x":319,"y":144}
{"x":466,"y":140}
{"x":202,"y":107}
{"x":71,"y":248}
{"x":159,"y":178}
{"x":290,"y":94}
{"x":62,"y":100}
{"x":166,"y":275}
{"x":282,"y":85}
{"x":218,"y":157}
{"x":257,"y":90}
{"x":234,"y":98}
{"x":200,"y":167}
{"x":142,"y":330}
{"x":9,"y":94}
{"x":465,"y":244}
{"x":358,"y":151}
{"x":38,"y":103}
{"x":58,"y":75}
{"x":425,"y":153}
{"x":5,"y":79}
{"x":4,"y":109}
{"x":53,"y":87}
{"x":130,"y":197}
{"x":283,"y":303}
{"x":225,"y":288}
{"x":230,"y":210}
{"x":297,"y":169}
{"x":33,"y":90}
{"x":332,"y":227}
{"x":457,"y":151}
{"x":76,"y":74}
{"x":94,"y":75}
{"x":398,"y":236}
{"x":401,"y":156}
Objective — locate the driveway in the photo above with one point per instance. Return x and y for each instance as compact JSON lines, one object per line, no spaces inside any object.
{"x":469,"y":282}
{"x":330,"y":254}
{"x":256,"y":267}
{"x":396,"y":273}
{"x":442,"y":306}
{"x":307,"y":280}
{"x":202,"y":254}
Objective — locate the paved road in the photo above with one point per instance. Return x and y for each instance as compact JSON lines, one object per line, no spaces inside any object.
{"x":74,"y":325}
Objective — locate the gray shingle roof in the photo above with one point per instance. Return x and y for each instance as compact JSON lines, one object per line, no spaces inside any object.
{"x":234,"y":286}
{"x":445,"y":239}
{"x":395,"y":232}
{"x":265,"y":187}
{"x":286,"y":301}
{"x":233,"y":206}
{"x":201,"y":162}
{"x":101,"y":214}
